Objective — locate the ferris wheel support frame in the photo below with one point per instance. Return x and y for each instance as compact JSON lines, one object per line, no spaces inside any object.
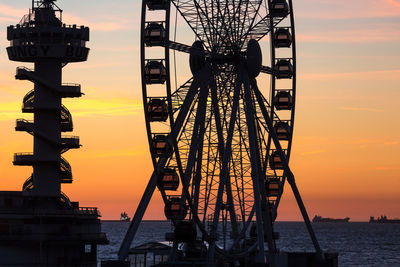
{"x":202,"y":81}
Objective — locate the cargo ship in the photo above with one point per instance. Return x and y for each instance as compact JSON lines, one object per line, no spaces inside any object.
{"x":318,"y":219}
{"x":383,"y":219}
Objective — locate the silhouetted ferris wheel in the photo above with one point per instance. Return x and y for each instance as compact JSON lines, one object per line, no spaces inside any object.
{"x":220,"y":141}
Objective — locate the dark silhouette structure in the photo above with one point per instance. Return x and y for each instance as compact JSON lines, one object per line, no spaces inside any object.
{"x":383,"y":219}
{"x":40,"y":226}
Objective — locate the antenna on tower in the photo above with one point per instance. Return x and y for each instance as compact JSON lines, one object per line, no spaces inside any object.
{"x":44,"y":3}
{"x":47,"y":5}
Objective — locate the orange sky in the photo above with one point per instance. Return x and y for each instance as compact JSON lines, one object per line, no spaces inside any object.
{"x":345,"y":155}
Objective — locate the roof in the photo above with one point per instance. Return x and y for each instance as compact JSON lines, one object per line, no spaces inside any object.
{"x":151,"y":247}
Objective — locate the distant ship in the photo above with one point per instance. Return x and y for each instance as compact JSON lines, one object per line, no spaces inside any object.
{"x":124,"y":217}
{"x":383,"y":219}
{"x":318,"y":219}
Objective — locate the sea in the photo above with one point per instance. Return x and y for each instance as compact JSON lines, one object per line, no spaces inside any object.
{"x":358,"y":243}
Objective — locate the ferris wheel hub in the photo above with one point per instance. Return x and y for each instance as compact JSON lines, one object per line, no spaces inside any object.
{"x":254,"y":58}
{"x":197,"y":57}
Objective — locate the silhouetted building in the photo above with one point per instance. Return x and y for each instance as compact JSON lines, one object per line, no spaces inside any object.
{"x":40,"y":226}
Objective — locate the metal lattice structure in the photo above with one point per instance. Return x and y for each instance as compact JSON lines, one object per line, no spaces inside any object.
{"x":221,"y":141}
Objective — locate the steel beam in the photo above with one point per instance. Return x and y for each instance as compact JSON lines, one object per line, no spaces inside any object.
{"x":225,"y":161}
{"x":221,"y":147}
{"x":255,"y":172}
{"x":290,"y":176}
{"x":129,"y":236}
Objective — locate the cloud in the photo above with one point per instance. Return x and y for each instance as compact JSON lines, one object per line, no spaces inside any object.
{"x":392,"y":143}
{"x":394,"y":3}
{"x":9,"y":11}
{"x":387,"y":168}
{"x":360,"y":109}
{"x":380,"y":75}
{"x":344,"y":9}
{"x":341,"y":141}
{"x":129,"y":152}
{"x":83,"y":108}
{"x":7,"y":20}
{"x":384,"y":33}
{"x":96,"y":65}
{"x":10,"y":110}
{"x":312,"y":152}
{"x":109,"y":23}
{"x":105,"y":107}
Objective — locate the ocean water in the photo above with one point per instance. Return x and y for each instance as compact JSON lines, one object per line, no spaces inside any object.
{"x":358,"y":244}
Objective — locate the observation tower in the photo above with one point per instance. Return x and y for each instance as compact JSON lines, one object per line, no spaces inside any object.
{"x":40,"y":226}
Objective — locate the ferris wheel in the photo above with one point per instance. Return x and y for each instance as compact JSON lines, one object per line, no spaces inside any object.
{"x":220,"y":140}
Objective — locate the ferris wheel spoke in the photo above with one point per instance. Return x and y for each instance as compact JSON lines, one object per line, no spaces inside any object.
{"x":198,"y":150}
{"x":198,"y":134}
{"x":260,"y":29}
{"x":263,"y":106}
{"x":185,"y":109}
{"x":225,"y":39}
{"x":242,"y":19}
{"x":225,"y":159}
{"x":178,"y":46}
{"x":242,"y":233}
{"x":252,"y":14}
{"x":210,"y":194}
{"x":221,"y":147}
{"x":242,"y":152}
{"x":185,"y":8}
{"x":266,"y":69}
{"x":179,"y":95}
{"x":257,"y":176}
{"x":207,"y":14}
{"x":201,"y":78}
{"x":184,"y":48}
{"x":200,"y":114}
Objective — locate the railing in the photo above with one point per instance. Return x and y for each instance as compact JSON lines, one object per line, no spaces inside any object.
{"x":65,"y":165}
{"x":30,"y":95}
{"x":23,"y":154}
{"x":23,"y":121}
{"x":70,"y":139}
{"x":24,"y":125}
{"x":65,"y":199}
{"x":28,"y":25}
{"x":65,"y":114}
{"x":70,"y":88}
{"x":28,"y":184}
{"x":72,"y":85}
{"x":23,"y":68}
{"x":23,"y":158}
{"x":26,"y":19}
{"x":89,"y":210}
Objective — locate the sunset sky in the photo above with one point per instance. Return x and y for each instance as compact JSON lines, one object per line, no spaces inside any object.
{"x":346,"y":150}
